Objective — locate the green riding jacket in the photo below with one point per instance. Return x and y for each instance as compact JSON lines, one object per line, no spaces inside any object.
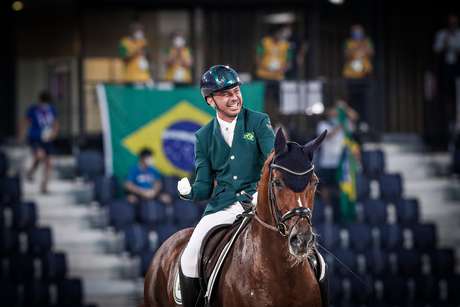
{"x":224,"y":174}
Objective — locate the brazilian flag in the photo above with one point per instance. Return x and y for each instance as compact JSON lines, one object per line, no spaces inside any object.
{"x":346,"y":172}
{"x":162,"y":120}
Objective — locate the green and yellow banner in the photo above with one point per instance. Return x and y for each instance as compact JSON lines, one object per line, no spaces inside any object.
{"x":162,"y":120}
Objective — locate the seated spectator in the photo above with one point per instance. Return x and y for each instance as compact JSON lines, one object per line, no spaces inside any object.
{"x":144,"y":181}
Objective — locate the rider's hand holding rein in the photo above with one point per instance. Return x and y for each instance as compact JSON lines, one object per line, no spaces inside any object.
{"x":184,"y":187}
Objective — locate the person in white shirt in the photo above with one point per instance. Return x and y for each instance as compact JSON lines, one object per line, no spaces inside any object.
{"x":332,"y":147}
{"x":447,"y":47}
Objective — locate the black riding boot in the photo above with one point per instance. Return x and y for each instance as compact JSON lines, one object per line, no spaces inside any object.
{"x":190,"y":290}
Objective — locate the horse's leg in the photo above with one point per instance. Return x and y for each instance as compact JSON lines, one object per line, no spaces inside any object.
{"x":159,"y":280}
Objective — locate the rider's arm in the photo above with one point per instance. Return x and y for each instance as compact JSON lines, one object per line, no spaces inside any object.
{"x":265,"y":136}
{"x":202,"y":187}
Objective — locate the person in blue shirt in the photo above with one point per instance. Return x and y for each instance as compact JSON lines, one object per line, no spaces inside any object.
{"x":144,"y":181}
{"x":42,"y":129}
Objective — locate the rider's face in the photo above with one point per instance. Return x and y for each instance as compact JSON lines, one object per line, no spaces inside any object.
{"x":228,"y":103}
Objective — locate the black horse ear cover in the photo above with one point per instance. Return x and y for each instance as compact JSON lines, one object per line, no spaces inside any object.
{"x":296,"y":158}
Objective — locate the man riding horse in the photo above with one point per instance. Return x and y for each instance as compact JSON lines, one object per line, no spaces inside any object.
{"x":229,"y":154}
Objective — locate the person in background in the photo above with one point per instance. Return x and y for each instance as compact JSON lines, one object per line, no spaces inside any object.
{"x":332,"y":148}
{"x":358,"y":52}
{"x":143,"y":182}
{"x":133,"y":51}
{"x":42,"y":129}
{"x":179,"y":61}
{"x":274,"y":54}
{"x":447,"y":47}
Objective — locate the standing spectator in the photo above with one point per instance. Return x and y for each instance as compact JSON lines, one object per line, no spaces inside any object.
{"x":144,"y":181}
{"x":447,"y":47}
{"x":133,"y":51}
{"x":357,"y":70}
{"x":332,"y":147}
{"x":179,"y":61}
{"x":43,"y":127}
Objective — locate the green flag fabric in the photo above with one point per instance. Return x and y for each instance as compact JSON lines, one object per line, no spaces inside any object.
{"x":162,"y":120}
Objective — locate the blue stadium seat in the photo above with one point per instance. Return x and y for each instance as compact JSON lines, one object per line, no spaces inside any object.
{"x":409,"y":263}
{"x":3,"y":164}
{"x":346,"y":262}
{"x":376,"y":262}
{"x":36,"y":294}
{"x":453,"y":292}
{"x":164,"y":231}
{"x":146,"y":259}
{"x":105,"y":189}
{"x":442,"y":262}
{"x":335,"y":288}
{"x":152,"y":213}
{"x":329,"y":235}
{"x":391,"y":237}
{"x":90,"y":164}
{"x":373,"y":162}
{"x":407,"y":211}
{"x":319,"y":214}
{"x":425,"y":238}
{"x":395,"y":290}
{"x":9,"y":295}
{"x":24,"y":215}
{"x":186,"y":214}
{"x":360,"y":237}
{"x":391,"y":188}
{"x":10,"y":190}
{"x":22,"y":267}
{"x":363,"y":187}
{"x":70,"y":293}
{"x":136,"y":239}
{"x":361,"y":289}
{"x":121,"y":214}
{"x":54,"y":267}
{"x":375,"y":211}
{"x":40,"y":241}
{"x":426,"y":289}
{"x":9,"y":242}
{"x":170,"y":186}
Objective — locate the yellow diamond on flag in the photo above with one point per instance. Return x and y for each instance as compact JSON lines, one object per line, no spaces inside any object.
{"x":171,"y":138}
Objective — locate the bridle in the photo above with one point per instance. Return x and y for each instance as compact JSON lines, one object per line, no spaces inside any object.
{"x":279,"y":218}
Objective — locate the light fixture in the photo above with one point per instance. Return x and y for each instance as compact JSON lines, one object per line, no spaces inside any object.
{"x":338,"y":2}
{"x":315,"y":109}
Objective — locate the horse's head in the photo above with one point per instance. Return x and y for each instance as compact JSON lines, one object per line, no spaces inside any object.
{"x":291,"y":188}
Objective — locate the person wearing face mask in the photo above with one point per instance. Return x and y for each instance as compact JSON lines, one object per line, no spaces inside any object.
{"x":358,"y":70}
{"x":229,"y":154}
{"x":274,"y":55}
{"x":143,"y":182}
{"x":133,"y":51}
{"x":179,"y":61}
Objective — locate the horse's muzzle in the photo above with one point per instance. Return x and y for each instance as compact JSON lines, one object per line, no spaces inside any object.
{"x":299,"y":243}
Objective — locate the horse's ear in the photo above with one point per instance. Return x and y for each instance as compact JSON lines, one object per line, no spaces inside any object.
{"x":280,"y":142}
{"x":313,"y":145}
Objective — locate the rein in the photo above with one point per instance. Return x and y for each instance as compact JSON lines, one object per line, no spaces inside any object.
{"x":281,"y":219}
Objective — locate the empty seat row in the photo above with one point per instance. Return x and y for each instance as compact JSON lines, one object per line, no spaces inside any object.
{"x":375,"y":262}
{"x":21,"y":216}
{"x":49,"y":267}
{"x":139,"y":238}
{"x":10,"y":190}
{"x":372,"y":211}
{"x":36,"y":241}
{"x":360,"y":237}
{"x":34,"y":293}
{"x":152,"y":214}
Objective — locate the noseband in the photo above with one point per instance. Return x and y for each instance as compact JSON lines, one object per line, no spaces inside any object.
{"x":281,"y":219}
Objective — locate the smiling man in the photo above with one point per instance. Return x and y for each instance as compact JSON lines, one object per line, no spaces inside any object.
{"x":229,"y":155}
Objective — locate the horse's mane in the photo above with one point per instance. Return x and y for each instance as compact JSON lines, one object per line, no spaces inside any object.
{"x":262,"y":186}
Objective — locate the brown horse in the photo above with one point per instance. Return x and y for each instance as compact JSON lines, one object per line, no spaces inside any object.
{"x":269,"y":262}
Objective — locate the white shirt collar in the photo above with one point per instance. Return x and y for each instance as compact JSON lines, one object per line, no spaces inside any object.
{"x":224,"y":124}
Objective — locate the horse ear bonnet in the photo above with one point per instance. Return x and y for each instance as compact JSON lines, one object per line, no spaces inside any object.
{"x":296,"y":158}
